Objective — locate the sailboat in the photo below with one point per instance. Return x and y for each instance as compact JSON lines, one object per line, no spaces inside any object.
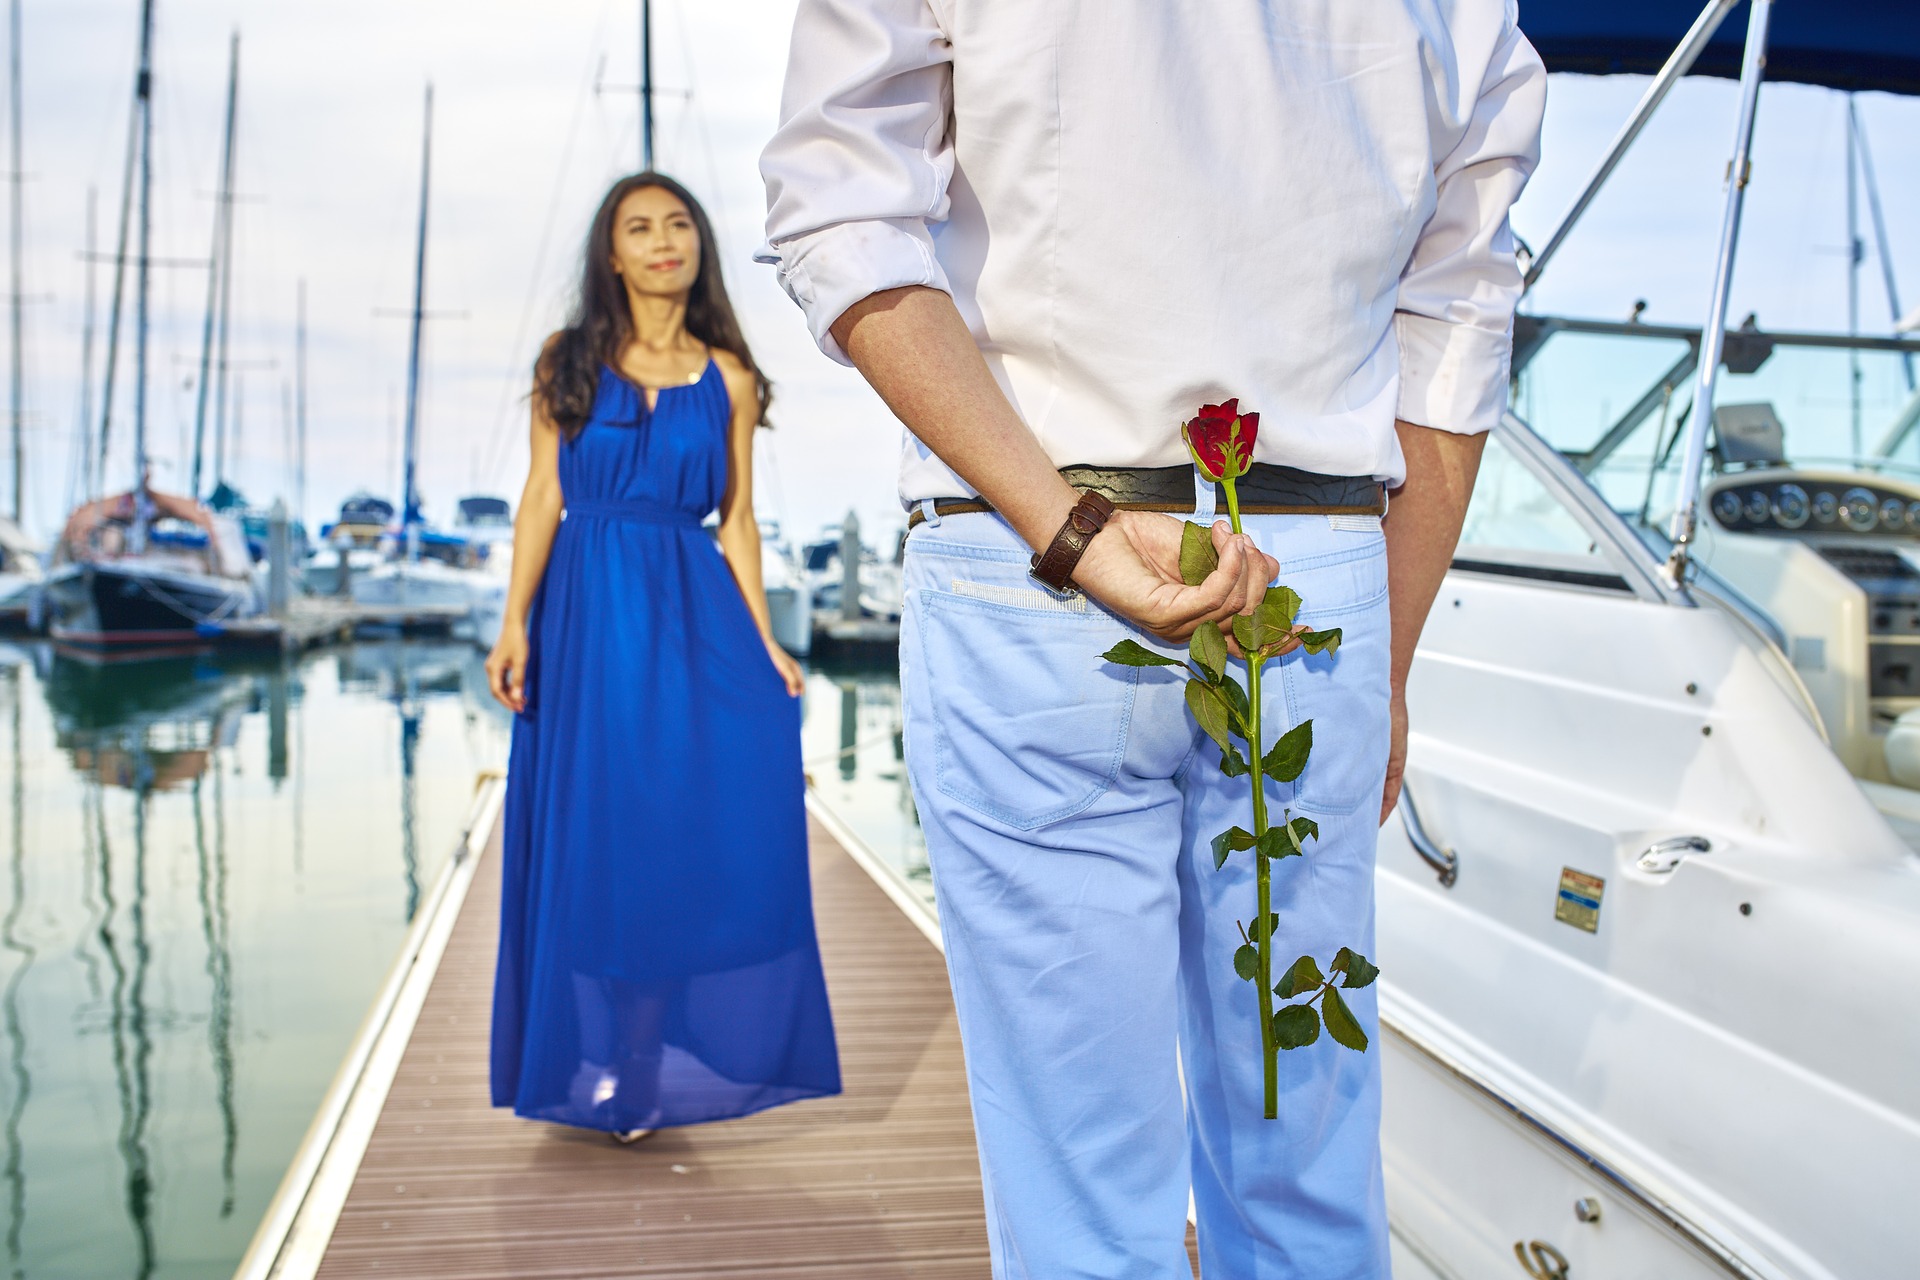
{"x":426,"y":567}
{"x":144,"y":570}
{"x":1649,"y":916}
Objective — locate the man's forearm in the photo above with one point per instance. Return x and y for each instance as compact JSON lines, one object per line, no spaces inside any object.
{"x":1423,"y":527}
{"x":914,"y":348}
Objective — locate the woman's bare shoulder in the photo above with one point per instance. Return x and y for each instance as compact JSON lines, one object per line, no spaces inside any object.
{"x":739,"y":379}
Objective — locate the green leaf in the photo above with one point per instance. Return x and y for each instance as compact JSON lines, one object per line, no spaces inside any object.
{"x":1232,"y":840}
{"x":1257,"y":930}
{"x":1302,"y":976}
{"x":1246,"y":963}
{"x":1243,"y":632}
{"x":1341,"y":1024}
{"x":1321,"y":641}
{"x":1295,"y":1027}
{"x":1359,"y":970}
{"x":1209,"y":707}
{"x":1277,"y":610}
{"x":1209,"y":649}
{"x":1233,"y":764}
{"x":1237,"y":703}
{"x":1288,"y":757}
{"x":1275,"y":844}
{"x":1131,"y":653}
{"x":1198,"y":559}
{"x":1304,"y":829}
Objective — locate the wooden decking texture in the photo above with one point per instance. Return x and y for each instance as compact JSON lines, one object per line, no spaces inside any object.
{"x":881,"y":1181}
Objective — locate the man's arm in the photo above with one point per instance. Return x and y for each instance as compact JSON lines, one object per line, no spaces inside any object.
{"x":913,"y":347}
{"x":1422,"y":529}
{"x":1454,"y":327}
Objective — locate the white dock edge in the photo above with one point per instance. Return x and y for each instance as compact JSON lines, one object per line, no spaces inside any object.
{"x":295,"y":1231}
{"x":911,"y":904}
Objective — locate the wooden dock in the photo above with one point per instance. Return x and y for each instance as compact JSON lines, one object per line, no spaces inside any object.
{"x":881,"y":1181}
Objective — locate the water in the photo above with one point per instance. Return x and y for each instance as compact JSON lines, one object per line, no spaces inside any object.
{"x":209,"y":869}
{"x":851,"y":746}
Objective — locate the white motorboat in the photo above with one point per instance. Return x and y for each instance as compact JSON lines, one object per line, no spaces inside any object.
{"x":1649,"y":917}
{"x":21,"y":574}
{"x":789,"y":594}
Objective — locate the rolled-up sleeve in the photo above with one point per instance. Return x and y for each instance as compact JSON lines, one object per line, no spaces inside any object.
{"x":859,"y":166}
{"x":1454,"y":315}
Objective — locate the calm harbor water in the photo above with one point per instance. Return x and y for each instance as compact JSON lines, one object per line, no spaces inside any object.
{"x":209,"y":869}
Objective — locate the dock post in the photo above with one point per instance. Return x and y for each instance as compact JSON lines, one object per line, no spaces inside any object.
{"x":850,"y":568}
{"x":279,"y":553}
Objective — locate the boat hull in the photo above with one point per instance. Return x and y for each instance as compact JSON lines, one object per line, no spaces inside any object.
{"x":131,"y":606}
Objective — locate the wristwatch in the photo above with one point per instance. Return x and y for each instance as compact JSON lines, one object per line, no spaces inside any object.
{"x":1056,"y":564}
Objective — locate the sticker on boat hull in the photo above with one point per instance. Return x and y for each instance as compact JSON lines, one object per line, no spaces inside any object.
{"x":1579,"y":901}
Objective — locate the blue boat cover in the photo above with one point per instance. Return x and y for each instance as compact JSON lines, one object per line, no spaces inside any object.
{"x":1842,"y":44}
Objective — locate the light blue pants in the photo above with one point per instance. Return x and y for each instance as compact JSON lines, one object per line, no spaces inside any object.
{"x":1068,"y":804}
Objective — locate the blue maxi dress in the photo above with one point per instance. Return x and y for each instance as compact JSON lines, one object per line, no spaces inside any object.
{"x":657,"y":956}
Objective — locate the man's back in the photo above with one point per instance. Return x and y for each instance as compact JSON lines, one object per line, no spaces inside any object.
{"x":1142,"y":206}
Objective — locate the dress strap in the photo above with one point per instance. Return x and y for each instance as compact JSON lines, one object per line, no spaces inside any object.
{"x":636,"y":509}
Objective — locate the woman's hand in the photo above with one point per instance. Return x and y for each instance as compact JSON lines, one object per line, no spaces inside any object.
{"x":789,"y":669}
{"x":507,"y":667}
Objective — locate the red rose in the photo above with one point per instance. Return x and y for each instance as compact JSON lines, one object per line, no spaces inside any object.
{"x":1220,"y":438}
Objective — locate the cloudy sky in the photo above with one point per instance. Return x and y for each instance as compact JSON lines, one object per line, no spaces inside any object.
{"x":535,"y":114}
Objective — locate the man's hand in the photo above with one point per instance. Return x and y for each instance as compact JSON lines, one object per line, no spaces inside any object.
{"x":1396,"y":755}
{"x":1133,"y":567}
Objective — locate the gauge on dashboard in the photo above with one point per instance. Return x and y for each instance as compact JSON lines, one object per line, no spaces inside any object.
{"x":1727,"y":507}
{"x":1859,"y":510}
{"x":1790,"y":506}
{"x":1825,"y":507}
{"x":1758,"y":508}
{"x":1913,"y":516}
{"x":1893,"y":513}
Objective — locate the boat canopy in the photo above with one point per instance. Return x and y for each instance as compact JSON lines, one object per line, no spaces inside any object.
{"x":1841,"y":44}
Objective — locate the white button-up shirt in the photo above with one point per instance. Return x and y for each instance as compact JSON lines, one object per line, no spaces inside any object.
{"x":1143,"y":205}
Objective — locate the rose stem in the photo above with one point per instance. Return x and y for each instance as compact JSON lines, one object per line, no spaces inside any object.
{"x":1262,"y":880}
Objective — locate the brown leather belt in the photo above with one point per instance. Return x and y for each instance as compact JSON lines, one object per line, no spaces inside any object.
{"x":1267,"y":490}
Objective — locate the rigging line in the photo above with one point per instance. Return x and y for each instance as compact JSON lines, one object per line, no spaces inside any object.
{"x":495,"y":454}
{"x":694,"y":113}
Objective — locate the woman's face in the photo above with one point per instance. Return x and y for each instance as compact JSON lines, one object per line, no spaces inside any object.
{"x":655,"y":246}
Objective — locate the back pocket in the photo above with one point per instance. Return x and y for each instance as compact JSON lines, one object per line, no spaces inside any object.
{"x":1029,"y":722}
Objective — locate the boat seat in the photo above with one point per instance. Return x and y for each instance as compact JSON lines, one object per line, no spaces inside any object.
{"x":1903,"y":749}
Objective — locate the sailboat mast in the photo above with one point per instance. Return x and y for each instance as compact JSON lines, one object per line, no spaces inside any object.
{"x":646,"y":85}
{"x":216,"y":278}
{"x":97,"y":462}
{"x":14,"y":176}
{"x":81,"y":480}
{"x":143,"y":277}
{"x":300,"y":406}
{"x":1881,"y":242}
{"x":411,"y":493}
{"x":1856,"y":253}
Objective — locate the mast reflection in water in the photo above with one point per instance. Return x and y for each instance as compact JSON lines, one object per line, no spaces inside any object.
{"x":209,"y":870}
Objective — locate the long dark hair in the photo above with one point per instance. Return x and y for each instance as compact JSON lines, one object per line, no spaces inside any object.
{"x":567,"y":375}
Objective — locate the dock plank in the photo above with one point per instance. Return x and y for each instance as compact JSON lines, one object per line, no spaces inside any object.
{"x":882,"y":1181}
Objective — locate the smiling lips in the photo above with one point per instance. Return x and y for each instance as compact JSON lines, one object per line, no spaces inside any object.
{"x":670,"y":264}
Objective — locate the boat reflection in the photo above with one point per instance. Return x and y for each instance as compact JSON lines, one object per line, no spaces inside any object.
{"x":147,"y":1104}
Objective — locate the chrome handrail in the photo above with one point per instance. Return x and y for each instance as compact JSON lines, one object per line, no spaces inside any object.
{"x":1445,"y":862}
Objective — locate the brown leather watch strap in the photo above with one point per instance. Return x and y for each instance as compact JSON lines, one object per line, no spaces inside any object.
{"x":1056,"y":564}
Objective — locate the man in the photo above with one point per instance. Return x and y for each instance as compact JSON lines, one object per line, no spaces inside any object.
{"x":1046,"y":232}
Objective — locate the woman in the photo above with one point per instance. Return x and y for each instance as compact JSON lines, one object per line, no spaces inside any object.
{"x":657,"y":956}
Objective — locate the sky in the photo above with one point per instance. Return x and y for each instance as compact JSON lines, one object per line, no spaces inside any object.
{"x":535,"y":114}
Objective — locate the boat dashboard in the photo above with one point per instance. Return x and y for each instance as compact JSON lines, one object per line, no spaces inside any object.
{"x":1785,"y":501}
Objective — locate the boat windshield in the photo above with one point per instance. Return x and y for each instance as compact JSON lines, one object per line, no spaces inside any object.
{"x":1810,"y":506}
{"x":1616,"y":399}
